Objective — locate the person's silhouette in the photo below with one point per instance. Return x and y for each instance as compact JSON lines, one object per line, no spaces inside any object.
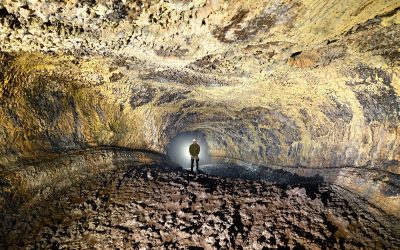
{"x":194,"y":151}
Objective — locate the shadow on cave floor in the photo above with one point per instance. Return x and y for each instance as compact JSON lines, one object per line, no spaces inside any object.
{"x":280,"y":177}
{"x":253,"y":172}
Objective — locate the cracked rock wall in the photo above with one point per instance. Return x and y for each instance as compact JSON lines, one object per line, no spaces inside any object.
{"x":294,"y":84}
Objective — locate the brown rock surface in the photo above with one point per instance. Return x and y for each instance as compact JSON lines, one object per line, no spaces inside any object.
{"x":148,"y":207}
{"x":306,"y":86}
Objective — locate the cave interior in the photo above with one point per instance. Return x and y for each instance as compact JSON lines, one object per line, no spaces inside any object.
{"x":295,"y":105}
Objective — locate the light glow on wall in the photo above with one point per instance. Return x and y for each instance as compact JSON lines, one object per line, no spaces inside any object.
{"x":178,"y":149}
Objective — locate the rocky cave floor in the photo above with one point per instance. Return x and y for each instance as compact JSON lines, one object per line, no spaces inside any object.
{"x":147,"y":207}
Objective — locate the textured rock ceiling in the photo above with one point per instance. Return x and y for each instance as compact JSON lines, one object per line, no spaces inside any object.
{"x":300,"y":84}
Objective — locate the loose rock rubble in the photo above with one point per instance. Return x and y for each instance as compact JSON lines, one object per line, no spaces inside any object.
{"x":308,"y":87}
{"x":304,"y":85}
{"x":147,"y":207}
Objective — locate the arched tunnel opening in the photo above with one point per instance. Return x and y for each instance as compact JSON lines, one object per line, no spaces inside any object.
{"x":225,"y":167}
{"x":178,"y":149}
{"x":295,"y":106}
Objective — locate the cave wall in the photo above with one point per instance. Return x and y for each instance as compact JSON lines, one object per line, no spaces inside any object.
{"x":304,"y":85}
{"x":346,"y":117}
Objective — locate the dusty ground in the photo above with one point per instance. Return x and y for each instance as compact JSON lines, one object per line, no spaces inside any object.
{"x":146,"y":207}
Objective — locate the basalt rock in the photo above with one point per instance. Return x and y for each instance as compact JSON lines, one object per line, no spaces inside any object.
{"x":304,"y":86}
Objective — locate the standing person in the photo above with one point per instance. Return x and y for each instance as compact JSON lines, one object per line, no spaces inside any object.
{"x":194,"y":151}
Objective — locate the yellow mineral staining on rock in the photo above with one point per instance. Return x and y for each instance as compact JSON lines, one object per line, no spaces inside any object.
{"x":292,"y":84}
{"x":390,"y":20}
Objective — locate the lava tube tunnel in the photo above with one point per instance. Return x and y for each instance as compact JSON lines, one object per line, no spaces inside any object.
{"x":178,"y":149}
{"x":294,"y":105}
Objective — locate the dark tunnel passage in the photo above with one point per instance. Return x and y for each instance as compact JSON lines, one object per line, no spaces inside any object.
{"x":178,"y":152}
